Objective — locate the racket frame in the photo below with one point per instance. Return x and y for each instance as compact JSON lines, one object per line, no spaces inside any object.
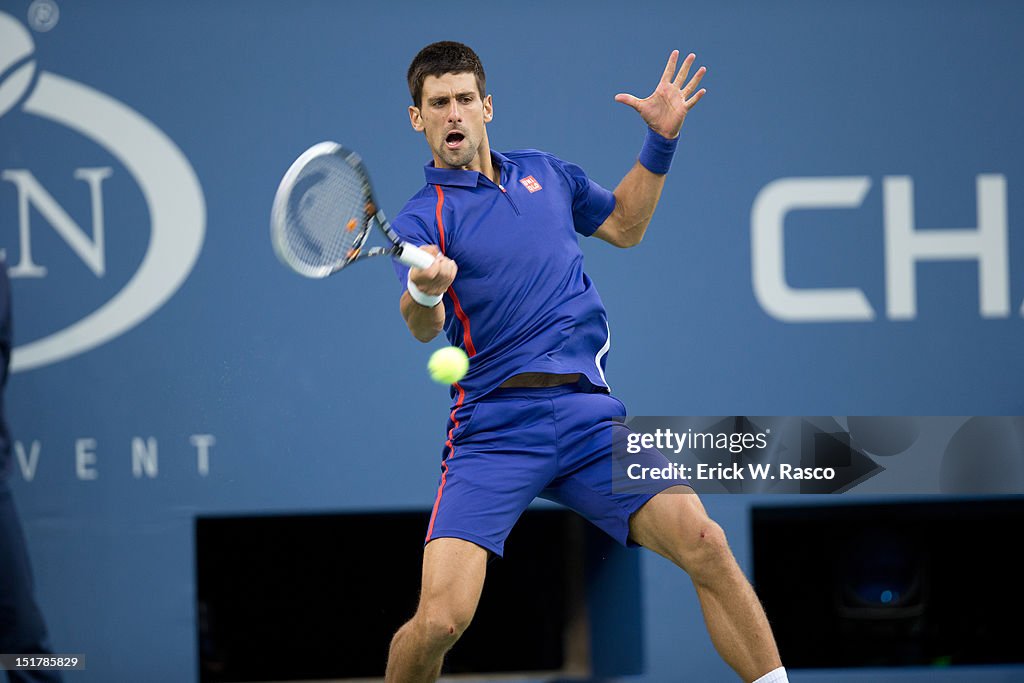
{"x":405,"y":252}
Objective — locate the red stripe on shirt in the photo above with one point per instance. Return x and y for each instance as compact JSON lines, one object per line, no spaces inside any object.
{"x":467,"y":339}
{"x":437,"y":213}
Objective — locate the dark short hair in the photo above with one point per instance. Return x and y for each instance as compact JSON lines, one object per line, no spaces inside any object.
{"x":444,"y":57}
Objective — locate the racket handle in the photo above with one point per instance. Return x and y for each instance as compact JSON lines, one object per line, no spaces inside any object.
{"x":414,"y":257}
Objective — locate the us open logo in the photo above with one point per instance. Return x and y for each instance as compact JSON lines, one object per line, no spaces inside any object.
{"x":166,"y":181}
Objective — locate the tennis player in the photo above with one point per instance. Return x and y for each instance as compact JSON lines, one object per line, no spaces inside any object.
{"x":531,"y":417}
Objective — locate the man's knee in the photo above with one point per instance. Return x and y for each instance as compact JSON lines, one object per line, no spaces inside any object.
{"x":709,"y":550}
{"x":701,"y":547}
{"x":442,"y":626}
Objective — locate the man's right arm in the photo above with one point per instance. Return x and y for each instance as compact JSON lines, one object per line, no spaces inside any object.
{"x":426,"y":322}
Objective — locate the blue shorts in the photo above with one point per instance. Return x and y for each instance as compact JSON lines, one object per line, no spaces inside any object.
{"x":517,"y":444}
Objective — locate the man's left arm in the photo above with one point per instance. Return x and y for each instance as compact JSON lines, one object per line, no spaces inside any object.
{"x":664,"y":111}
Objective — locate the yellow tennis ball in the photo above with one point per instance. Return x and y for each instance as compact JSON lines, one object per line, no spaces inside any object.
{"x":448,"y":365}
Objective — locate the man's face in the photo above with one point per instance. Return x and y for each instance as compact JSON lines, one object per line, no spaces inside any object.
{"x":452,"y":115}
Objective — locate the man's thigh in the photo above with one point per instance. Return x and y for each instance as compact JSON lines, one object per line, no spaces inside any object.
{"x":671,"y":523}
{"x":453,"y":576}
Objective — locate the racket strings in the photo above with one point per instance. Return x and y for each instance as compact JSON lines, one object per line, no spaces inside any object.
{"x":327,"y":213}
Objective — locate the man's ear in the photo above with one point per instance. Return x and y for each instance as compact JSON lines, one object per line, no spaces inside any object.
{"x":488,"y":108}
{"x":415,"y":119}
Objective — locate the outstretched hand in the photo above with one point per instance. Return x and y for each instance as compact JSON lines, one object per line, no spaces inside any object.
{"x":665,"y":109}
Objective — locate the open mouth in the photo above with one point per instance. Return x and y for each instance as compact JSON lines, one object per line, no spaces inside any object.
{"x":454,"y":139}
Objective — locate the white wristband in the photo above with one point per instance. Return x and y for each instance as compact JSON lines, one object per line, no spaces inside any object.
{"x":420,"y":297}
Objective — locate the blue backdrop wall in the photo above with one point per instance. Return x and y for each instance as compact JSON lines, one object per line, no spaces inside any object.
{"x":168,"y":366}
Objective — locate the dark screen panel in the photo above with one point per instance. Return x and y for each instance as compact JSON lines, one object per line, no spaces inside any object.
{"x":932,"y":583}
{"x":319,"y":596}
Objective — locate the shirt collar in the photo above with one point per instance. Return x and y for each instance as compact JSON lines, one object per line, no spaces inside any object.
{"x":456,"y":177}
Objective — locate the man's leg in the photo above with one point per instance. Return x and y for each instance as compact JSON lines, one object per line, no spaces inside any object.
{"x":22,"y":629}
{"x":675,"y":525}
{"x":453,"y":576}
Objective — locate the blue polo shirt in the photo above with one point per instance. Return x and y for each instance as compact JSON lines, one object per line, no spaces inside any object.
{"x":520,"y":301}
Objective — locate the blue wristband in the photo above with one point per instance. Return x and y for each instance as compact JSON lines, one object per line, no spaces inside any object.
{"x":657,"y":152}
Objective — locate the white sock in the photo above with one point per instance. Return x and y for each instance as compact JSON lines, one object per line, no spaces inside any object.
{"x":775,"y":676}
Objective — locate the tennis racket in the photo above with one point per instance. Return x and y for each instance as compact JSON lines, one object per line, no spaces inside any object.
{"x":323,"y":212}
